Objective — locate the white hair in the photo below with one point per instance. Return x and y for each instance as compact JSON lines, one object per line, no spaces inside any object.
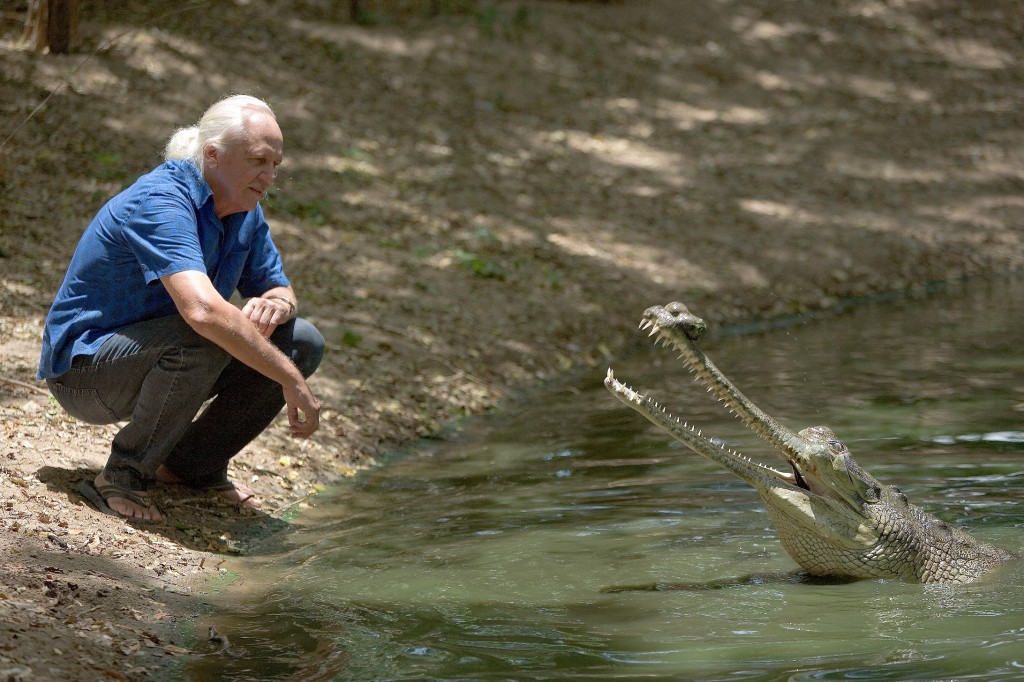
{"x":222,"y":123}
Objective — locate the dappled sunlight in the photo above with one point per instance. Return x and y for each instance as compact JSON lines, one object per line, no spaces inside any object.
{"x":300,"y":161}
{"x":760,"y":30}
{"x":887,"y":90}
{"x":671,"y":167}
{"x":380,"y":42}
{"x":962,"y":52}
{"x":872,"y":221}
{"x":994,"y":213}
{"x":90,"y":78}
{"x":973,"y":54}
{"x":286,"y":227}
{"x":655,"y":264}
{"x":370,"y":269}
{"x":884,"y":169}
{"x":794,"y":216}
{"x":22,"y":290}
{"x":980,"y":164}
{"x":560,"y":66}
{"x":687,"y":117}
{"x":161,"y":55}
{"x":770,"y":81}
{"x":155,"y":124}
{"x":1003,"y":160}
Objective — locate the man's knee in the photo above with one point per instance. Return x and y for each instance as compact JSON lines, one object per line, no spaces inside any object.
{"x":304,"y":344}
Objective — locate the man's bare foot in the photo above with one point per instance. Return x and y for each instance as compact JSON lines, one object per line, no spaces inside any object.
{"x":235,"y":492}
{"x":130,"y":508}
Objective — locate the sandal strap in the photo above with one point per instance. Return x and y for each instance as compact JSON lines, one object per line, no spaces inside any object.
{"x":109,"y":490}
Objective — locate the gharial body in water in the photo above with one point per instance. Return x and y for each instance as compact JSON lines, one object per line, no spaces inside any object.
{"x":833,"y":518}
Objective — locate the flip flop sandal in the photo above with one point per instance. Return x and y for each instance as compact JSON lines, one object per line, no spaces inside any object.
{"x":98,"y":498}
{"x":228,"y":486}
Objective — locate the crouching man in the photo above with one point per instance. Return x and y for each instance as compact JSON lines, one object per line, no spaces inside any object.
{"x":142,"y":329}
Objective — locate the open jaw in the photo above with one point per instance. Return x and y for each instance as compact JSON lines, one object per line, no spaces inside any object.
{"x":824,"y":480}
{"x":761,"y":476}
{"x":675,"y":326}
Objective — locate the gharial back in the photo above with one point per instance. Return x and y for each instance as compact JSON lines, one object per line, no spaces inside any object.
{"x":911,"y":545}
{"x":847,"y":523}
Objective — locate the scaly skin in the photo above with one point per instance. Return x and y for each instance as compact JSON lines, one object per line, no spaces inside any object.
{"x":833,"y":518}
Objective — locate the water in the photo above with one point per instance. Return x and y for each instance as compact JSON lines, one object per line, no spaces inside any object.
{"x":568,"y":539}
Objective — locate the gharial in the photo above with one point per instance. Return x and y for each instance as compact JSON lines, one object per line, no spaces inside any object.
{"x":833,"y":518}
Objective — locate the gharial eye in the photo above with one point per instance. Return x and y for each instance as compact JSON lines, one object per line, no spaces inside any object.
{"x":837,"y":445}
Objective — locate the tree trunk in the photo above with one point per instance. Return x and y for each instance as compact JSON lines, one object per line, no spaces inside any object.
{"x":51,"y":24}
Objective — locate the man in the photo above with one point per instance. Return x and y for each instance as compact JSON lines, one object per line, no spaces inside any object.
{"x":142,"y":330}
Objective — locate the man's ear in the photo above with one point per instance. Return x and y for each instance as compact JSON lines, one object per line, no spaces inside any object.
{"x":210,"y":155}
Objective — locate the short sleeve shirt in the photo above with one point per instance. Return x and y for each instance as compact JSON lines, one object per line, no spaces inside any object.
{"x":162,"y":224}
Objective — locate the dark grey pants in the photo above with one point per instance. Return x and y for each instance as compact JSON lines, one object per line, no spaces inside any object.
{"x":156,"y":375}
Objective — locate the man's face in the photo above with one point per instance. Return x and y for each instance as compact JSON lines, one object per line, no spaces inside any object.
{"x":242,"y":172}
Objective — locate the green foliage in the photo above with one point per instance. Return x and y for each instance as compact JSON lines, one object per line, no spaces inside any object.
{"x":554,"y":281}
{"x":484,"y":234}
{"x":426,"y":250}
{"x":452,"y":7}
{"x":108,"y":159}
{"x":329,"y":48}
{"x":357,"y":154}
{"x":498,"y":22}
{"x":351,"y":338}
{"x":366,"y":18}
{"x":110,"y":166}
{"x":479,"y":267}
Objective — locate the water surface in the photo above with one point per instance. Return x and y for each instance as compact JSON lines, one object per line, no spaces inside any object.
{"x":567,"y":538}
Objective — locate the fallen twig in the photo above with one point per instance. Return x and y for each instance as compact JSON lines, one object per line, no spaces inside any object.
{"x":293,"y":503}
{"x":22,"y":384}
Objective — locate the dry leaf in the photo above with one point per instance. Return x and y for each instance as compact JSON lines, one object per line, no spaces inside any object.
{"x":175,"y":650}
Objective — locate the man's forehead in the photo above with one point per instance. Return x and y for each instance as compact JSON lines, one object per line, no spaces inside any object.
{"x":264,"y":145}
{"x":263,"y":134}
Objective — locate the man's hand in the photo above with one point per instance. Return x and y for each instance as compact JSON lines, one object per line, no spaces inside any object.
{"x":266,"y":314}
{"x":303,"y":410}
{"x":211,"y":316}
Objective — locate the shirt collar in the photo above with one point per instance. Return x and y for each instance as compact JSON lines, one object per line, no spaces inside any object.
{"x":200,"y":189}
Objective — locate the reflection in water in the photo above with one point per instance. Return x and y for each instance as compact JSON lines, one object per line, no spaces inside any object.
{"x":570,"y":539}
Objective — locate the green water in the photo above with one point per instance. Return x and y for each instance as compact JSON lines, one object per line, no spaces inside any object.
{"x":568,"y":539}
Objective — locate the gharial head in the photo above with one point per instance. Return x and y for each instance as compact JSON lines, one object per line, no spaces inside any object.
{"x":826,"y":499}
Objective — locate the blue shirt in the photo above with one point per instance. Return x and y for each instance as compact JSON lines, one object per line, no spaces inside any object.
{"x":162,"y":224}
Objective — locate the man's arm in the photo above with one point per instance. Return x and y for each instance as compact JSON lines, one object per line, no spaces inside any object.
{"x":214,"y":318}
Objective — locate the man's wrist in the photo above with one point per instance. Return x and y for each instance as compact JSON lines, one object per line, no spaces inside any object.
{"x":291,"y":304}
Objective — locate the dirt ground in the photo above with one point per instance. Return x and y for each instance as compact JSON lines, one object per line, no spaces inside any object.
{"x":473,"y":204}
